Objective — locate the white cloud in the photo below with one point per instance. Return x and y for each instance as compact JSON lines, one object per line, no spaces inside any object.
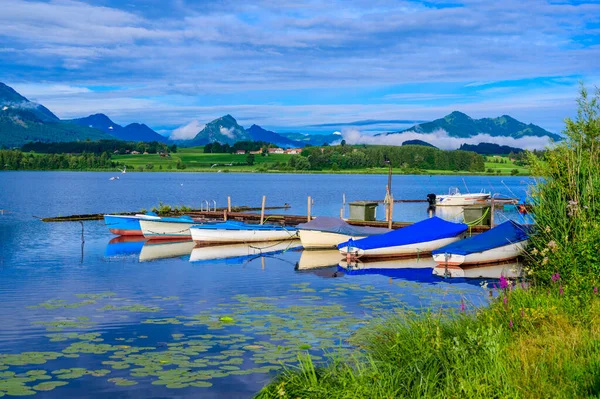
{"x":227,"y":132}
{"x":441,"y":139}
{"x":48,"y":90}
{"x":187,"y":132}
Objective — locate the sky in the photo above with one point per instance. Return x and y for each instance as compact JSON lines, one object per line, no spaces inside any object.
{"x":311,"y":66}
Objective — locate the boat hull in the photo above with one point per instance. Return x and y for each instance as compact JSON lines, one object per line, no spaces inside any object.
{"x":416,"y":249}
{"x":126,"y":225}
{"x":204,"y":236}
{"x":313,"y":239}
{"x":494,"y":255}
{"x":461,"y":199}
{"x":163,"y":230}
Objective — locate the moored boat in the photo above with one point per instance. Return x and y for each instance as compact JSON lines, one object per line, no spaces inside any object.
{"x":328,"y":232}
{"x":167,"y":228}
{"x":127,"y":225}
{"x":233,"y":231}
{"x":455,"y":198}
{"x":417,"y":239}
{"x":503,"y":242}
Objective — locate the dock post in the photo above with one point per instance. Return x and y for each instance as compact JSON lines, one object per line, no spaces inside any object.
{"x":341,"y":213}
{"x":228,"y":204}
{"x":430,"y":213}
{"x":391,"y":212}
{"x":492,"y":213}
{"x":262,"y":210}
{"x":308,"y":212}
{"x":225,"y":215}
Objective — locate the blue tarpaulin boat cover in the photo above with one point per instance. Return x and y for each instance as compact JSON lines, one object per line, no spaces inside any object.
{"x":506,"y":233}
{"x":426,"y":230}
{"x":330,"y":224}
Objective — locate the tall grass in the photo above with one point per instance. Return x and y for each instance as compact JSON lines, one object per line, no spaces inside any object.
{"x":567,"y":202}
{"x":537,"y":339}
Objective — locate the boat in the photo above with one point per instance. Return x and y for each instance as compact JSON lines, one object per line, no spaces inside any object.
{"x":455,"y":198}
{"x":503,"y":242}
{"x":318,"y":258}
{"x":415,"y":240}
{"x":240,"y":251}
{"x":506,"y":269}
{"x":234,"y":231}
{"x":128,"y":225}
{"x":328,"y":232}
{"x":164,"y":249}
{"x":167,"y":228}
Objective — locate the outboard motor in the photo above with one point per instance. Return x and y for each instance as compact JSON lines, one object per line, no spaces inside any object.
{"x":431,"y":199}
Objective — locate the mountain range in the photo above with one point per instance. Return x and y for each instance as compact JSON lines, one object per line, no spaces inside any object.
{"x":23,"y":121}
{"x":458,"y":124}
{"x":131,"y":132}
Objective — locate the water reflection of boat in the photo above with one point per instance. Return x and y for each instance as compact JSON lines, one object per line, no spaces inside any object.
{"x":403,"y":263}
{"x":494,"y":271}
{"x":162,"y":249}
{"x":324,"y":272}
{"x":318,"y":258}
{"x":241,"y":251}
{"x":124,"y":245}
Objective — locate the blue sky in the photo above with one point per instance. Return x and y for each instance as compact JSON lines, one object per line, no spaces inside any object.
{"x":289,"y":66}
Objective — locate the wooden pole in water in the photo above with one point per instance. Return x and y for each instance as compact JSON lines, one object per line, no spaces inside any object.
{"x":391,"y":211}
{"x":430,"y":213}
{"x":262,"y":210}
{"x":341,"y":213}
{"x":225,"y":215}
{"x":228,"y":204}
{"x":492,"y":213}
{"x":308,"y":212}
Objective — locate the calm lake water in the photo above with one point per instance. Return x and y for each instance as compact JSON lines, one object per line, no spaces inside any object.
{"x":134,"y":319}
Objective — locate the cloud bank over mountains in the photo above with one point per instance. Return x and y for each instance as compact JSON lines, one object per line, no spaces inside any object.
{"x":441,"y":139}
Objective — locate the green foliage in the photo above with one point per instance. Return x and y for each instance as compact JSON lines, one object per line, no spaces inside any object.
{"x":533,"y":345}
{"x":250,"y":159}
{"x":97,"y":147}
{"x":567,"y":201}
{"x":17,"y":160}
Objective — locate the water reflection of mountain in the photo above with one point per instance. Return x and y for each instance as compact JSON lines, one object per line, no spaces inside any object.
{"x":236,"y":253}
{"x":162,"y":249}
{"x":124,"y":245}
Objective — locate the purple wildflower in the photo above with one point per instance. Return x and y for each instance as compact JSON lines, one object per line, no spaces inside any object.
{"x":555,"y":277}
{"x":462,"y":304}
{"x":511,"y":323}
{"x":595,"y":290}
{"x":494,"y":285}
{"x":505,"y":300}
{"x":503,"y":283}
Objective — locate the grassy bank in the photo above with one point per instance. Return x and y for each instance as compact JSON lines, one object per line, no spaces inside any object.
{"x":540,"y":336}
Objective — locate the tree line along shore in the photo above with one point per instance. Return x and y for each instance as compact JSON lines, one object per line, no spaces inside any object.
{"x":254,"y":157}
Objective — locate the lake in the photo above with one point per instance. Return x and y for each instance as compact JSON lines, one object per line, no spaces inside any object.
{"x":105,"y":316}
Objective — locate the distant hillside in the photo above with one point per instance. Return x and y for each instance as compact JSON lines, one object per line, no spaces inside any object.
{"x":225,"y":130}
{"x":418,"y":142}
{"x":490,"y":149}
{"x":461,"y":125}
{"x":131,"y":132}
{"x":23,"y":121}
{"x":260,"y":134}
{"x":313,"y":139}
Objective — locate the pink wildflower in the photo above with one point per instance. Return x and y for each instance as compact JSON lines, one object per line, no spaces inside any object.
{"x":505,"y":300}
{"x":511,"y":323}
{"x":503,"y":283}
{"x":462,"y":304}
{"x":595,"y":290}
